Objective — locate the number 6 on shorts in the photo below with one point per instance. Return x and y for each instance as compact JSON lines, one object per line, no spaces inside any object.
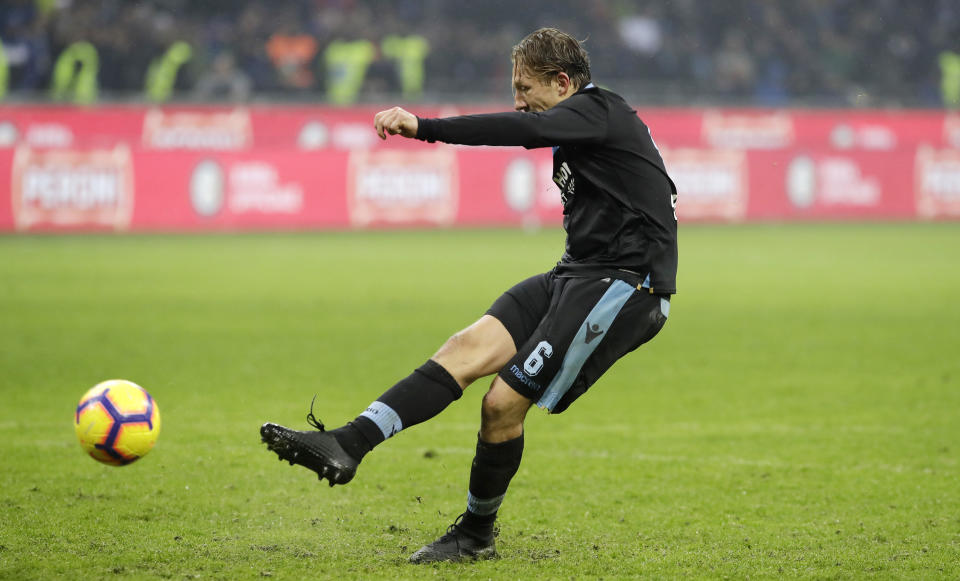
{"x":534,"y":363}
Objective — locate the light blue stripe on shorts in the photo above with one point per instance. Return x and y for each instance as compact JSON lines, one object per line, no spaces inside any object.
{"x":599,"y":321}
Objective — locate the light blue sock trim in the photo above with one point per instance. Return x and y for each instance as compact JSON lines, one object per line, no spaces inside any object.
{"x":484,"y":506}
{"x":599,"y":321}
{"x":386,"y":419}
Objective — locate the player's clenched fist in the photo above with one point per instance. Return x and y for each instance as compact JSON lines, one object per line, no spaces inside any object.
{"x":395,"y":121}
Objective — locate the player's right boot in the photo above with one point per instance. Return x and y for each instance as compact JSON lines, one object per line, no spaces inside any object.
{"x":316,"y":450}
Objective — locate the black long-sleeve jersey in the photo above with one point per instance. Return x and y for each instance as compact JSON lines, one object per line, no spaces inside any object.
{"x":618,"y":201}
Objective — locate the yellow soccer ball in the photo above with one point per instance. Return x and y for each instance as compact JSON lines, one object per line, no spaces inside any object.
{"x":117,"y":422}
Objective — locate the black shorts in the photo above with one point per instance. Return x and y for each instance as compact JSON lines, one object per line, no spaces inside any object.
{"x":569,"y":331}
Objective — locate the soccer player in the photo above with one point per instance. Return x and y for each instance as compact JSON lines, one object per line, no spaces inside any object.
{"x":551,"y":336}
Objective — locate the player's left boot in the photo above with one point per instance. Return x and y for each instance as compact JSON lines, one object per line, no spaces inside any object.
{"x":317,"y":450}
{"x":457,"y":545}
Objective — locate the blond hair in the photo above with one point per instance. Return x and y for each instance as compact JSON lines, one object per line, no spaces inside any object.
{"x":548,"y":51}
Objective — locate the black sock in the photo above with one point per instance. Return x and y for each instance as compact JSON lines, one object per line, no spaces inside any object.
{"x":493,"y":467}
{"x":415,"y":399}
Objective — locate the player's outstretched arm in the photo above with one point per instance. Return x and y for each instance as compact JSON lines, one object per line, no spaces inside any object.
{"x":395,"y":121}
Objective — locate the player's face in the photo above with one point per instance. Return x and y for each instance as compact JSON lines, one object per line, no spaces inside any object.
{"x":531,"y":94}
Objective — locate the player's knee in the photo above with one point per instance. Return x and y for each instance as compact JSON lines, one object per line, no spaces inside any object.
{"x":463,"y":357}
{"x":454,"y":356}
{"x":477,"y":351}
{"x":501,"y":417}
{"x":497,"y":409}
{"x":458,"y":342}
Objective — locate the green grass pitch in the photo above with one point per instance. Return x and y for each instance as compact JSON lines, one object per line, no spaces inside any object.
{"x":799,"y":416}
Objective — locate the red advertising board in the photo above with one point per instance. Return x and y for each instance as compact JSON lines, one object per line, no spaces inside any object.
{"x":217,"y":168}
{"x":54,"y":188}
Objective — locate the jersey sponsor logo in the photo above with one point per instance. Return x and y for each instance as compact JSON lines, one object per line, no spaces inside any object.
{"x":566,"y":182}
{"x":72,"y":189}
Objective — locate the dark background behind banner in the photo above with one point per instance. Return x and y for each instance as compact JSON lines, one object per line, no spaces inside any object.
{"x":849,"y":53}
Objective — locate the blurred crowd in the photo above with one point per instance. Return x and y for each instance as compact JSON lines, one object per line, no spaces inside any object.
{"x":751,"y":52}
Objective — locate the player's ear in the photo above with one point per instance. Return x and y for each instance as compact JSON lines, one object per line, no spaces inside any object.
{"x":564,"y":84}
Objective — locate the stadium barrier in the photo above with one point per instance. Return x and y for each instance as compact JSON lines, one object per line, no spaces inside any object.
{"x":275,"y":168}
